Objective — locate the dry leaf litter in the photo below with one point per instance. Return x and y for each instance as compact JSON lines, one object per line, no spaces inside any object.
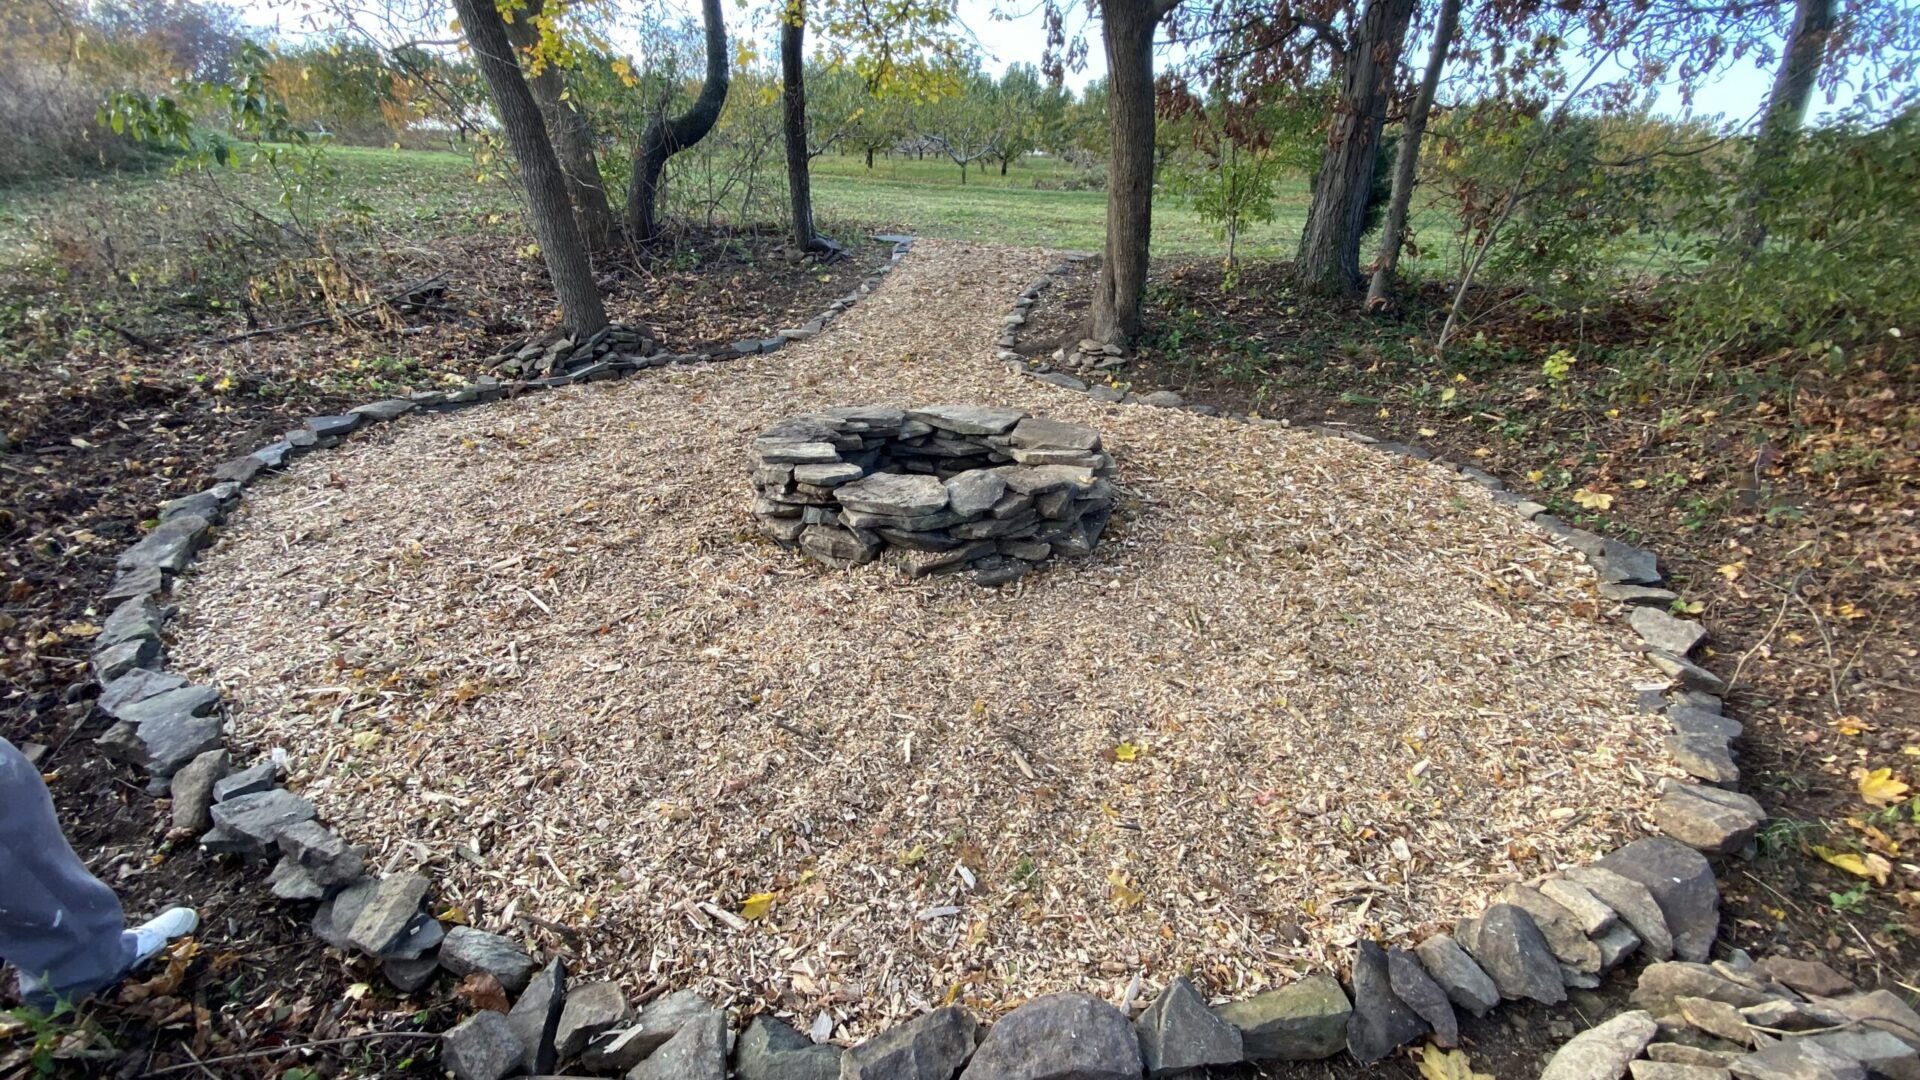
{"x":1302,"y":692}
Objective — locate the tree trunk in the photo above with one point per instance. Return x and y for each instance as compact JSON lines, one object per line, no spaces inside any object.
{"x":1328,"y":260}
{"x":1406,"y":163}
{"x":869,"y":158}
{"x":1786,"y":110}
{"x":572,"y":140}
{"x":666,"y":136}
{"x":553,"y":222}
{"x":793,"y":107}
{"x":1003,"y":166}
{"x":1127,"y":30}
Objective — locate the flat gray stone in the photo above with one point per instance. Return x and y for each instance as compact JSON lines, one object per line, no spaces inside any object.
{"x":841,"y":547}
{"x":1662,"y":985}
{"x":1410,"y":982}
{"x":974,"y":492}
{"x":136,"y":686}
{"x":1806,"y":976}
{"x":1602,"y":1052}
{"x":1061,"y":380}
{"x":1594,"y":916}
{"x":1163,"y":399}
{"x":116,"y":660}
{"x":1633,"y":903}
{"x":290,"y":881}
{"x":1797,"y":1059}
{"x":210,"y":504}
{"x":1066,"y":1036}
{"x":409,"y":976}
{"x":591,"y":1008}
{"x":381,"y":927}
{"x":389,"y":409}
{"x":770,"y":1050}
{"x":698,"y":1051}
{"x":181,"y":701}
{"x":1454,"y":971}
{"x":1510,"y":948}
{"x":794,"y":452}
{"x":930,"y":1047}
{"x":335,"y":426}
{"x":1562,"y":929}
{"x":336,"y":916}
{"x":895,"y":494}
{"x":192,"y":790}
{"x":1881,"y":1009}
{"x":1303,"y":1021}
{"x":1616,"y":943}
{"x":467,"y":950}
{"x":1883,"y":1054}
{"x":1681,"y":881}
{"x":1625,"y":564}
{"x":969,"y":419}
{"x":1692,"y":722}
{"x":1709,"y":819}
{"x":831,"y":474}
{"x":482,"y":1047}
{"x":1381,"y":1022}
{"x":1689,"y":675}
{"x":133,"y":620}
{"x":535,"y":1017}
{"x":170,"y":546}
{"x":659,"y":1022}
{"x":141,"y":581}
{"x":1178,"y":1032}
{"x":331,"y":860}
{"x":242,"y":469}
{"x":1707,"y":757}
{"x":1666,"y":633}
{"x":1636,"y":594}
{"x":260,"y":818}
{"x":1683,"y":1054}
{"x":248,"y":781}
{"x":1662,"y":1070}
{"x":1035,"y":433}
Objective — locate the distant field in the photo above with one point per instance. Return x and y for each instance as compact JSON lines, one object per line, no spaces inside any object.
{"x":413,"y":195}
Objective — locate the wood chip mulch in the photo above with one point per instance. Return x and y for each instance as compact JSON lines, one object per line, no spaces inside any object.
{"x":1302,"y":692}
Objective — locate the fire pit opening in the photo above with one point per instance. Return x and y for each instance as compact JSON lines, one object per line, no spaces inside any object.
{"x":951,"y":487}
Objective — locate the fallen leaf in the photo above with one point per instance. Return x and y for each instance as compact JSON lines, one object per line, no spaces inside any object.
{"x":1126,"y":751}
{"x":1438,"y":1064}
{"x":757,"y":906}
{"x":482,"y":991}
{"x":1879,"y":788}
{"x":1869,"y":866}
{"x":1125,"y":896}
{"x":1593,"y":500}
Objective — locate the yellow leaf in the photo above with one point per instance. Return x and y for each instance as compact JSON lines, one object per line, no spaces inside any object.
{"x":1852,"y":725}
{"x":912,"y":855}
{"x":357,"y":991}
{"x":365,"y":740}
{"x":1427,"y":433}
{"x":1438,"y":1064}
{"x":1125,"y":896}
{"x":1449,"y":394}
{"x":1126,"y":751}
{"x":1637,"y":484}
{"x":1731,"y":571}
{"x":1879,"y":787}
{"x":757,"y":906}
{"x":1869,"y":866}
{"x":1534,"y":476}
{"x":1384,"y":414}
{"x":1593,"y":500}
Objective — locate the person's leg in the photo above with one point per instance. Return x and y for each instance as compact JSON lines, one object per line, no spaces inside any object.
{"x":61,"y":926}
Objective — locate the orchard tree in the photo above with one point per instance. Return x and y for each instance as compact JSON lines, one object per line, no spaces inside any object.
{"x":1017,"y":102}
{"x":535,"y":33}
{"x":666,"y":135}
{"x":561,"y":244}
{"x":1406,"y":162}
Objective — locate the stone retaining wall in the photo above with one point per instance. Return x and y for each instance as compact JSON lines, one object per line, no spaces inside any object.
{"x":952,"y":487}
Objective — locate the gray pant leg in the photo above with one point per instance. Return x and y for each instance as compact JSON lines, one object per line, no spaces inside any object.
{"x":58,"y":923}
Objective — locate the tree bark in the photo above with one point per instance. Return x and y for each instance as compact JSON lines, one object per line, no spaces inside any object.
{"x":572,"y":139}
{"x":1127,"y":30}
{"x":1406,"y":163}
{"x":553,"y":223}
{"x":1328,"y":260}
{"x":793,"y":107}
{"x":666,"y":136}
{"x":1786,"y":111}
{"x":869,"y":157}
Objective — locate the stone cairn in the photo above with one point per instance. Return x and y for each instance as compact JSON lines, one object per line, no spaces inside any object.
{"x":955,"y":487}
{"x":1696,"y":1017}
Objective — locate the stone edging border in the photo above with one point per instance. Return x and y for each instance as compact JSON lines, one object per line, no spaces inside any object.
{"x":1656,"y":895}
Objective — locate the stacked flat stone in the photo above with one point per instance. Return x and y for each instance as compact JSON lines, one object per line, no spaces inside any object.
{"x":976,"y":488}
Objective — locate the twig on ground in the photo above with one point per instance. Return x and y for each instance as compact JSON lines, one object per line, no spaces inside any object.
{"x":290,"y":1048}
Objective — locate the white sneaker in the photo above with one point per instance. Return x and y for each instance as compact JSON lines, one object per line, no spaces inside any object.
{"x":154,"y":934}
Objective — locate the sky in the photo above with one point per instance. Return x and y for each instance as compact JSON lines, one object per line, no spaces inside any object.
{"x":1012,"y":31}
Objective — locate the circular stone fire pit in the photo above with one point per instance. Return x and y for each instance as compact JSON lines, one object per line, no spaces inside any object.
{"x":954,"y":487}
